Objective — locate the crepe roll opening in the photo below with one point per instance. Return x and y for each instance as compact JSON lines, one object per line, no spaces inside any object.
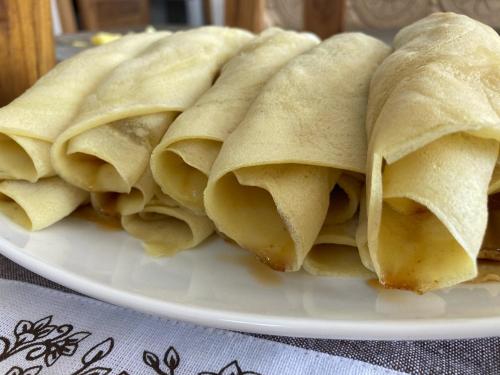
{"x":105,"y":203}
{"x":38,"y":205}
{"x":163,"y":235}
{"x":341,"y":219}
{"x":490,"y":248}
{"x":335,"y":253}
{"x":94,"y":173}
{"x":15,"y":160}
{"x":255,"y":222}
{"x":335,"y":260}
{"x":340,"y":204}
{"x":181,"y":181}
{"x":181,"y":170}
{"x":14,"y":211}
{"x":434,"y":213}
{"x":267,"y":210}
{"x":112,"y":156}
{"x":113,"y":204}
{"x":420,"y":250}
{"x":344,"y":199}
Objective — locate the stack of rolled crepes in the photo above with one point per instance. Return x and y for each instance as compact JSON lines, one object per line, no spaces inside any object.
{"x":107,"y":148}
{"x":94,"y":120}
{"x":433,"y":126}
{"x":267,"y":139}
{"x":31,"y":194}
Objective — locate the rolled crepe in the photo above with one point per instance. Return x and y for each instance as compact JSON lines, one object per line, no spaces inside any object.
{"x":182,"y":161}
{"x":165,"y":227}
{"x":269,"y":188}
{"x":38,"y":205}
{"x":335,"y":252}
{"x":30,"y":124}
{"x":341,"y":218}
{"x":109,"y":145}
{"x":116,"y":204}
{"x":433,"y":124}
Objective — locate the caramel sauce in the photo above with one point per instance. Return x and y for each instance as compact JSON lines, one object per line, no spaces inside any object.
{"x":374,"y":283}
{"x":488,"y":271}
{"x":260,"y":259}
{"x":104,"y":222}
{"x":259,"y":272}
{"x":481,"y":279}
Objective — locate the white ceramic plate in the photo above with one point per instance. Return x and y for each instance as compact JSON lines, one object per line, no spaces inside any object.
{"x":220,"y":285}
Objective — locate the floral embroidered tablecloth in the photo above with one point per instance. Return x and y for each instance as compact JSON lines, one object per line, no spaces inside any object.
{"x":98,"y":338}
{"x":45,"y":331}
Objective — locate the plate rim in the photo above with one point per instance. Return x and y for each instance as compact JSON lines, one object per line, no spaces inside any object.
{"x":391,"y":329}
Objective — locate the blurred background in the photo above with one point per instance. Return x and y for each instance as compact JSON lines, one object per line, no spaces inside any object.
{"x":323,"y":15}
{"x":35,"y":34}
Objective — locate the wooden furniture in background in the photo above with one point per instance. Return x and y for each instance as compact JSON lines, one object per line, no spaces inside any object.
{"x":27,"y":45}
{"x":324,"y":17}
{"x":245,"y":14}
{"x":67,"y":16}
{"x":113,"y":14}
{"x":207,"y":12}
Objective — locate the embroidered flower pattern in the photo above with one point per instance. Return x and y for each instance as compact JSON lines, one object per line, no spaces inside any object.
{"x":41,"y":339}
{"x":171,"y":360}
{"x":231,"y":369}
{"x":19,"y":371}
{"x":48,"y":343}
